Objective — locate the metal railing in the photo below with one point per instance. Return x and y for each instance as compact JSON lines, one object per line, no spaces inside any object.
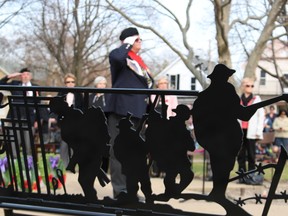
{"x":23,"y":189}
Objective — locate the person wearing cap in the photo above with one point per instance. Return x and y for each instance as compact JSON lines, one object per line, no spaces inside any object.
{"x":215,"y":116}
{"x":179,"y":142}
{"x":21,"y":78}
{"x":128,"y":70}
{"x":252,"y":130}
{"x":25,"y":77}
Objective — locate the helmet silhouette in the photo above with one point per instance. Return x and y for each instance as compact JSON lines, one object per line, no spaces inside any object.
{"x":183,"y":111}
{"x":221,"y":71}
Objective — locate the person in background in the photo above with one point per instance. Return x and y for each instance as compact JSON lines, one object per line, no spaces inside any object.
{"x":190,"y":126}
{"x":50,"y":130}
{"x":280,"y":126}
{"x":128,"y":70}
{"x":73,"y":99}
{"x":162,"y":83}
{"x":269,"y":119}
{"x":22,"y":78}
{"x":170,"y":103}
{"x":98,"y":100}
{"x":252,"y":130}
{"x":76,"y":98}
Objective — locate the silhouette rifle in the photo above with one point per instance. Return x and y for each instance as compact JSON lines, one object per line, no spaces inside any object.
{"x":249,"y":111}
{"x":102,"y":178}
{"x":140,"y":126}
{"x":163,"y":106}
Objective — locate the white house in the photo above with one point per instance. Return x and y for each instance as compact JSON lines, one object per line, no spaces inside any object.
{"x":180,"y":76}
{"x":266,"y":85}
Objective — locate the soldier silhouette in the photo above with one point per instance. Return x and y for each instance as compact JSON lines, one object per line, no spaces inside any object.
{"x":156,"y":135}
{"x":215,"y":113}
{"x":87,"y":135}
{"x":131,"y":151}
{"x":168,"y":142}
{"x":94,"y":138}
{"x":69,"y":119}
{"x":179,"y":141}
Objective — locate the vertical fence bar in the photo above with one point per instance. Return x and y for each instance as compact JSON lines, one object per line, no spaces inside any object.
{"x":43,"y":153}
{"x":278,"y":172}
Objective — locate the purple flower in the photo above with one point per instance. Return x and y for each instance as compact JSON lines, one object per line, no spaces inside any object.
{"x":54,"y":161}
{"x":30,"y":162}
{"x":3,"y":164}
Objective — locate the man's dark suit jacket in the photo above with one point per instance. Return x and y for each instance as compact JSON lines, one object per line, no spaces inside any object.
{"x":124,"y":77}
{"x":4,"y":81}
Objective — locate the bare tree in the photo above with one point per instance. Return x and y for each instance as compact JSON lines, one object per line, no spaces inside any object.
{"x":275,"y":58}
{"x":70,"y":37}
{"x":275,"y":9}
{"x":223,"y":24}
{"x":11,"y":9}
{"x":161,"y":9}
{"x":248,"y":22}
{"x":274,"y":50}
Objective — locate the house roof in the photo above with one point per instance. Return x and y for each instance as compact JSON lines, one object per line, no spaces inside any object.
{"x":163,"y":72}
{"x":196,"y":60}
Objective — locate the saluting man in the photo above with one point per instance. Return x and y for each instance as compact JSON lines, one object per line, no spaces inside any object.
{"x":128,"y":70}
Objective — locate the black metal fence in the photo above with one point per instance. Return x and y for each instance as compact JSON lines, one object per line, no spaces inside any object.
{"x":27,"y":167}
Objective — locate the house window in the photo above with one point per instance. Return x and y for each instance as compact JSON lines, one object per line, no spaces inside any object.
{"x":193,"y":83}
{"x":174,"y":81}
{"x":262,"y":77}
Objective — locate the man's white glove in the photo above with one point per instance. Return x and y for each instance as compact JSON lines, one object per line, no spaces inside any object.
{"x":130,"y":40}
{"x":13,"y":75}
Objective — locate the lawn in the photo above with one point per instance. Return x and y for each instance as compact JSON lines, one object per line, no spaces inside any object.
{"x":197,"y":168}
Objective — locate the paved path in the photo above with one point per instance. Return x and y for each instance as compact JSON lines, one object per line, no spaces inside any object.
{"x":234,"y":191}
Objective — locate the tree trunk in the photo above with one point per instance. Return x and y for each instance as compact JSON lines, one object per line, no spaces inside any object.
{"x":255,"y":55}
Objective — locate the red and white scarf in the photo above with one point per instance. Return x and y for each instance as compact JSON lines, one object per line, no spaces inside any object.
{"x":139,"y":67}
{"x":138,"y":59}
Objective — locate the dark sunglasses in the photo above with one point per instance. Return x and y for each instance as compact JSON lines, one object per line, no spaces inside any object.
{"x":248,"y":86}
{"x":70,"y":82}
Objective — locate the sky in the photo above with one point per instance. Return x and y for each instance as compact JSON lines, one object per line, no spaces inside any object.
{"x":202,"y":32}
{"x":200,"y":15}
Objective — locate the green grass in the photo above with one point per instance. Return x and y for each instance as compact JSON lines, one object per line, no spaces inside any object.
{"x":197,"y":168}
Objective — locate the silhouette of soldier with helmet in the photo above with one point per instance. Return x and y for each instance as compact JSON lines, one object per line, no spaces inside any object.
{"x":215,"y":116}
{"x":179,"y":141}
{"x":131,"y":151}
{"x":156,"y":135}
{"x":94,"y":138}
{"x":87,"y":135}
{"x":69,"y":119}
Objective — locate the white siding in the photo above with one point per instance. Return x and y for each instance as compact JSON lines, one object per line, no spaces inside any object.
{"x":178,"y":67}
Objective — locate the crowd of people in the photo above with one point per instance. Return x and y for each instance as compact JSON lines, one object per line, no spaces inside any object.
{"x":125,"y":114}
